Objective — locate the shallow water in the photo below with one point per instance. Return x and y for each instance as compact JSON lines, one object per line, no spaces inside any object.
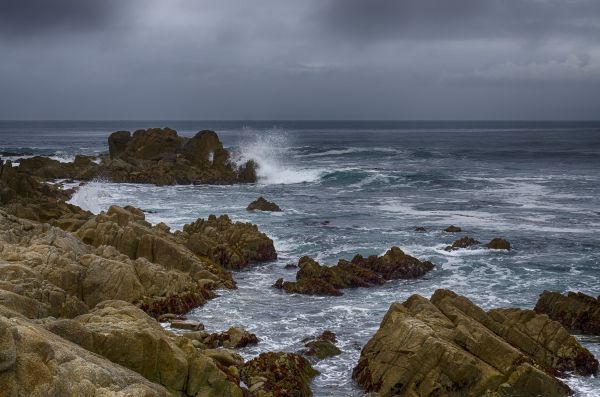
{"x":350,"y":188}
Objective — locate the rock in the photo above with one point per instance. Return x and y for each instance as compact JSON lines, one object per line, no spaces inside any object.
{"x":232,"y":245}
{"x":117,"y":143}
{"x":420,"y":229}
{"x":315,"y":279}
{"x":261,"y":204}
{"x":449,"y":346}
{"x":498,"y":244}
{"x":233,"y":338}
{"x":127,"y":336}
{"x":575,"y":310}
{"x":37,"y":362}
{"x":278,"y":375}
{"x":190,"y":325}
{"x":322,"y":346}
{"x":453,"y":229}
{"x":290,"y":266}
{"x":464,"y":242}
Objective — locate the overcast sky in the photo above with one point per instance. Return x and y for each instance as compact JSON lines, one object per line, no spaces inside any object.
{"x":308,"y":59}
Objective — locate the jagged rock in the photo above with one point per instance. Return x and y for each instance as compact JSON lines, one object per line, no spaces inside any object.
{"x":127,"y":336}
{"x":464,"y":242}
{"x":420,"y":229}
{"x":322,"y":346}
{"x":315,"y":279}
{"x":453,"y":229}
{"x":575,"y":310}
{"x":261,"y":204}
{"x":233,"y":245}
{"x":449,"y":346}
{"x":233,"y":338}
{"x":278,"y":375}
{"x":498,"y":244}
{"x":36,"y":362}
{"x":190,"y":325}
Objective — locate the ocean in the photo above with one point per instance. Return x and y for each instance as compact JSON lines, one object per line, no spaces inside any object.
{"x":362,"y":187}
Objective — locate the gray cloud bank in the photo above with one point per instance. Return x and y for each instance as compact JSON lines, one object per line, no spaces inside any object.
{"x":315,"y":59}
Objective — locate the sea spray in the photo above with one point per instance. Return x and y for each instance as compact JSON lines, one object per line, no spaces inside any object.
{"x":271,"y":151}
{"x":91,"y":196}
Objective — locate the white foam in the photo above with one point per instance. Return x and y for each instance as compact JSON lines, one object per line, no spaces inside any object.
{"x":270,"y":150}
{"x":90,"y":197}
{"x":350,"y":150}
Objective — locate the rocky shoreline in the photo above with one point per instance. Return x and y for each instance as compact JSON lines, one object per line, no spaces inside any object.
{"x":81,"y":296}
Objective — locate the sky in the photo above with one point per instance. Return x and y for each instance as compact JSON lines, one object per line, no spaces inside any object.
{"x":294,"y":60}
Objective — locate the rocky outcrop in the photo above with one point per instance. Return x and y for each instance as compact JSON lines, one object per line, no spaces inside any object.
{"x":315,"y":279}
{"x":576,"y":311}
{"x":464,"y":242}
{"x":233,"y":338}
{"x":449,"y":346}
{"x":35,"y":362}
{"x":498,"y":244}
{"x":261,"y":204}
{"x":321,"y":347}
{"x":156,"y":155}
{"x":127,"y":336}
{"x":232,"y":245}
{"x":453,"y":229}
{"x":278,"y":375}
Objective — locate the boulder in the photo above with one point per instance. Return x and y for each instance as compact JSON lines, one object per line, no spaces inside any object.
{"x":232,"y":245}
{"x":575,"y":311}
{"x":453,"y":229}
{"x":36,"y":362}
{"x":233,"y":338}
{"x":448,"y":346}
{"x":498,"y":244}
{"x":189,"y":325}
{"x":261,"y":204}
{"x":464,"y":242}
{"x":278,"y":375}
{"x":315,"y":279}
{"x":323,"y":346}
{"x":117,"y":143}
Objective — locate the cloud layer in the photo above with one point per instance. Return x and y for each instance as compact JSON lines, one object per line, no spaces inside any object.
{"x":315,"y":59}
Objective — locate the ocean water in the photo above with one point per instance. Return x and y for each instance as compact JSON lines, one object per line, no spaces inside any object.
{"x":362,"y":187}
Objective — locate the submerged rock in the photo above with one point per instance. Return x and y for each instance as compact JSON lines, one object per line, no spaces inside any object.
{"x":278,"y":375}
{"x":261,"y":204}
{"x":575,"y":311}
{"x":448,"y":346}
{"x":315,"y":279}
{"x":322,"y":346}
{"x":464,"y":242}
{"x":453,"y":229}
{"x":498,"y":244}
{"x":420,"y":229}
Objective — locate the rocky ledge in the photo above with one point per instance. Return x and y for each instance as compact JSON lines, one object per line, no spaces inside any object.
{"x":575,"y":311}
{"x":448,"y":346}
{"x":315,"y":279}
{"x":262,"y":204}
{"x":156,"y":155}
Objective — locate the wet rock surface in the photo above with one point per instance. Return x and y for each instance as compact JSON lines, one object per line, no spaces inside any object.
{"x":575,"y":310}
{"x":498,"y":244}
{"x":315,"y":279}
{"x":321,"y":347}
{"x":448,"y":346}
{"x":464,"y":242}
{"x":261,"y":204}
{"x":278,"y":375}
{"x":453,"y":229}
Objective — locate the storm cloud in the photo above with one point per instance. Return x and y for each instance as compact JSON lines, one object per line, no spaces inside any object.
{"x":315,"y":59}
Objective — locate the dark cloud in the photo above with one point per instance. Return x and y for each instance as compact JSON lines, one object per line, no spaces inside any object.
{"x":273,"y":59}
{"x":24,"y":18}
{"x":459,"y":19}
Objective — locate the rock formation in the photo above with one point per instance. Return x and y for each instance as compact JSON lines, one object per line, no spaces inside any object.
{"x":449,"y":346}
{"x":464,"y":242}
{"x":261,"y":204}
{"x":453,"y":229}
{"x":278,"y":375}
{"x":321,"y":347}
{"x":498,"y":244}
{"x":575,"y":311}
{"x":157,"y":156}
{"x":233,"y":338}
{"x":315,"y":279}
